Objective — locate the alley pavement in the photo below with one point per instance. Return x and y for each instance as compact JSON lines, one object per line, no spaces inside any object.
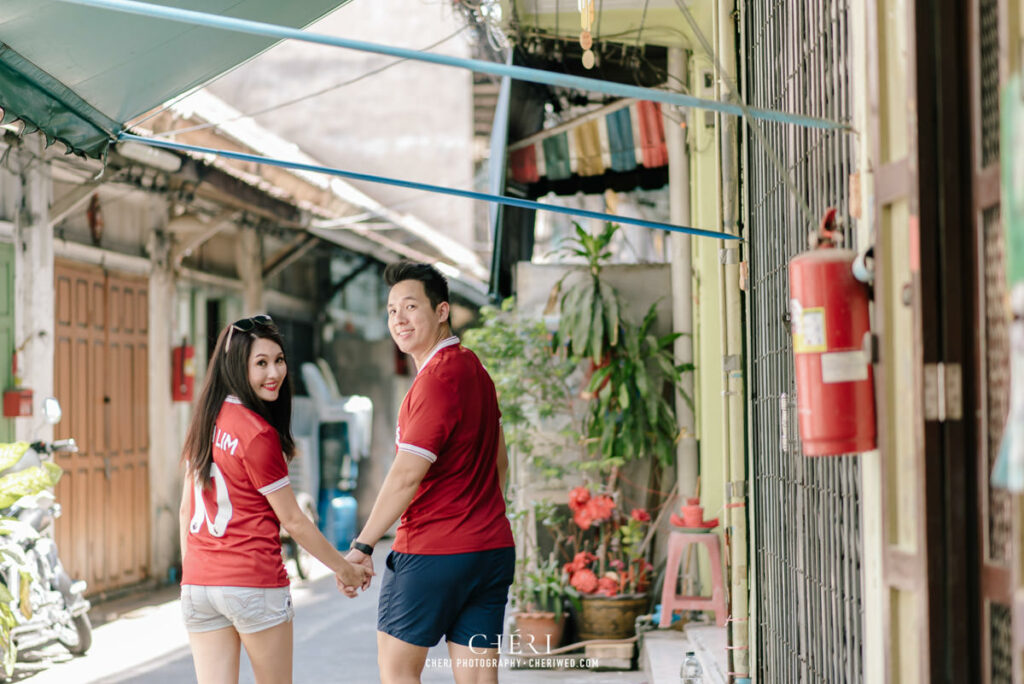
{"x":335,"y":641}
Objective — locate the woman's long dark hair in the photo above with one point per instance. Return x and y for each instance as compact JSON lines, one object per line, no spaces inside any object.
{"x":228,"y":374}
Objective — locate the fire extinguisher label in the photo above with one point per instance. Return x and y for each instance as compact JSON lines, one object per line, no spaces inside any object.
{"x":847,"y":366}
{"x":808,"y":329}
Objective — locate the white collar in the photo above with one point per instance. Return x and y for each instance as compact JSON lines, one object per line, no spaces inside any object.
{"x":446,"y":342}
{"x":232,"y":399}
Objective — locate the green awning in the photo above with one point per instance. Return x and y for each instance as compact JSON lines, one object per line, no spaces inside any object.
{"x":79,"y":73}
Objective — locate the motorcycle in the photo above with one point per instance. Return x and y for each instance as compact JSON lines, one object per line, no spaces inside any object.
{"x":40,"y":605}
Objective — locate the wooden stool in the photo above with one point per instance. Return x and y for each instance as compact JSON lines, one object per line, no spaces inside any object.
{"x":670,"y":601}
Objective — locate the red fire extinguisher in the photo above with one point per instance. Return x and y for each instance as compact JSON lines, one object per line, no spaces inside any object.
{"x":183,"y":375}
{"x":834,"y":382}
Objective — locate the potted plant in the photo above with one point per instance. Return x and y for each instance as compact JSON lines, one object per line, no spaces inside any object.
{"x":533,"y":384}
{"x":619,"y":412}
{"x":609,"y":568}
{"x":630,"y":414}
{"x":540,"y":595}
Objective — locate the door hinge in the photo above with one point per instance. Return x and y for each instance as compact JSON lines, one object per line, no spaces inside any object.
{"x":736,"y":489}
{"x":943,"y":392}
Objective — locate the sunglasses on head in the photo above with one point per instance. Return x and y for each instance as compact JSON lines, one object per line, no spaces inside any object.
{"x":244,"y":325}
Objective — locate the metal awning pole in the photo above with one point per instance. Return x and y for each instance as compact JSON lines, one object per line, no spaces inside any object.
{"x":517,"y":72}
{"x":413,"y":185}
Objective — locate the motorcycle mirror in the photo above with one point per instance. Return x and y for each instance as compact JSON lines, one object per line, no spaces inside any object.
{"x":51,"y":410}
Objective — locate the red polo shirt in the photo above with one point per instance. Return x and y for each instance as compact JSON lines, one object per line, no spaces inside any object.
{"x":450,"y":417}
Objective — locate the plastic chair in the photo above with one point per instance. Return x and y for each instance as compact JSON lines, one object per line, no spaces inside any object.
{"x":670,"y":600}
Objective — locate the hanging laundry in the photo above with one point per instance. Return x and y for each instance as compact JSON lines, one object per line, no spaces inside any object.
{"x":523,"y":164}
{"x":652,"y":134}
{"x":622,"y":150}
{"x":588,"y":149}
{"x":556,"y":157}
{"x":620,"y":140}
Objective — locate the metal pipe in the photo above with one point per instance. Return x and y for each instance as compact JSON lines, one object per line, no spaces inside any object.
{"x":259,"y":28}
{"x":589,"y":116}
{"x":468,"y":194}
{"x":735,"y":394}
{"x":681,"y":273}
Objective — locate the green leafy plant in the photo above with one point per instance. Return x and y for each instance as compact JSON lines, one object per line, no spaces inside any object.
{"x":633,"y":372}
{"x":631,"y":414}
{"x":590,"y":306}
{"x":544,"y":587}
{"x":532,"y":383}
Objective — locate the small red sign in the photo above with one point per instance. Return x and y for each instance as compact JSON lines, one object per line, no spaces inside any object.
{"x":17,"y":403}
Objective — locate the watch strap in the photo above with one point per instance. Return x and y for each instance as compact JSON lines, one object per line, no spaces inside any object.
{"x":362,"y":548}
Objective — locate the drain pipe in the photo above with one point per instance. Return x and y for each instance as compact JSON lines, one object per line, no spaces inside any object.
{"x":732,"y":360}
{"x":681,"y":272}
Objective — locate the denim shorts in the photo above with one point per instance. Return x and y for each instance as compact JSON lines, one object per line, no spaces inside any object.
{"x":247,"y":609}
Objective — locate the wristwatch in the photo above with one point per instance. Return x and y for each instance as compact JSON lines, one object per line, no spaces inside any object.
{"x":362,"y":548}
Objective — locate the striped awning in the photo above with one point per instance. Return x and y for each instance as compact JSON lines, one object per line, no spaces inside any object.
{"x":622,"y":150}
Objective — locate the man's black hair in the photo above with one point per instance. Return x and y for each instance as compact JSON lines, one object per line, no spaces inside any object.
{"x":434,"y":283}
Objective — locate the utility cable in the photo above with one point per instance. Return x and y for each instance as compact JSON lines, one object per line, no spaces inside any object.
{"x":282,"y":105}
{"x":498,"y":69}
{"x":754,"y":125}
{"x":643,"y":22}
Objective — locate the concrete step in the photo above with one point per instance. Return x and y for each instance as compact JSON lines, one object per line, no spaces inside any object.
{"x":663,"y":652}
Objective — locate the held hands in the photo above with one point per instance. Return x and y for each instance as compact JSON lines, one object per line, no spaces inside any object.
{"x":358,"y":575}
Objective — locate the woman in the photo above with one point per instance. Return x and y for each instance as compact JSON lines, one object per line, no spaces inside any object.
{"x":236,"y":496}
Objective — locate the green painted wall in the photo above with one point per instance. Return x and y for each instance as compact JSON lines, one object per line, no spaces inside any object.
{"x":661,"y":25}
{"x":704,"y":212}
{"x":6,"y":330}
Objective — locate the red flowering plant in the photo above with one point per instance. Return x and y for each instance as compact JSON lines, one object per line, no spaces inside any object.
{"x":610,"y":547}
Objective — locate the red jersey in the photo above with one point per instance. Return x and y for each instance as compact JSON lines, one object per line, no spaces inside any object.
{"x":234,"y":537}
{"x":450,"y":417}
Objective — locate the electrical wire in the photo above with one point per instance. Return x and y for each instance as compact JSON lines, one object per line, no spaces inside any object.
{"x":174,"y":101}
{"x":643,"y":22}
{"x":498,"y":69}
{"x":288,"y":103}
{"x":754,"y":126}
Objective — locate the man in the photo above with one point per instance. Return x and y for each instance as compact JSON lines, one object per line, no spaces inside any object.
{"x":453,"y":557}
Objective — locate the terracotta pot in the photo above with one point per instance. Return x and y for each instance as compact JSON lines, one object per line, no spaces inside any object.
{"x":540,"y":630}
{"x":614,"y":617}
{"x":693,"y":515}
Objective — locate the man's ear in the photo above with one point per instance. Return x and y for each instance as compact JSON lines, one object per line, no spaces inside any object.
{"x":443,"y":311}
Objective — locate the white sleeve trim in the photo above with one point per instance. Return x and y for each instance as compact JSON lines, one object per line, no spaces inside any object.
{"x":419,"y":451}
{"x":274,"y":486}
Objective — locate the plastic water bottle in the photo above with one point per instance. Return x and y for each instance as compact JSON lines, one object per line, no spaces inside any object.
{"x":691,"y":672}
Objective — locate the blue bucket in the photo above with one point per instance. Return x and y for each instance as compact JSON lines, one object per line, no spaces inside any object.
{"x":338,"y":518}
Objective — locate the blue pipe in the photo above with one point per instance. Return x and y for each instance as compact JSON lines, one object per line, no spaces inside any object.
{"x":468,"y":194}
{"x":517,"y":72}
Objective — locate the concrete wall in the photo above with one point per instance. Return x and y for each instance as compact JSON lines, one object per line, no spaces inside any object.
{"x":33,"y":281}
{"x":413,"y":120}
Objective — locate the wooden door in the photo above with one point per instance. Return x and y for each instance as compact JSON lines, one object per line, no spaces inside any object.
{"x":101,"y":378}
{"x":993,"y":514}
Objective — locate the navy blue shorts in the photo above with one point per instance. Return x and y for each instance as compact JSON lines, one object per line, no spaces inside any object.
{"x":460,"y":596}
